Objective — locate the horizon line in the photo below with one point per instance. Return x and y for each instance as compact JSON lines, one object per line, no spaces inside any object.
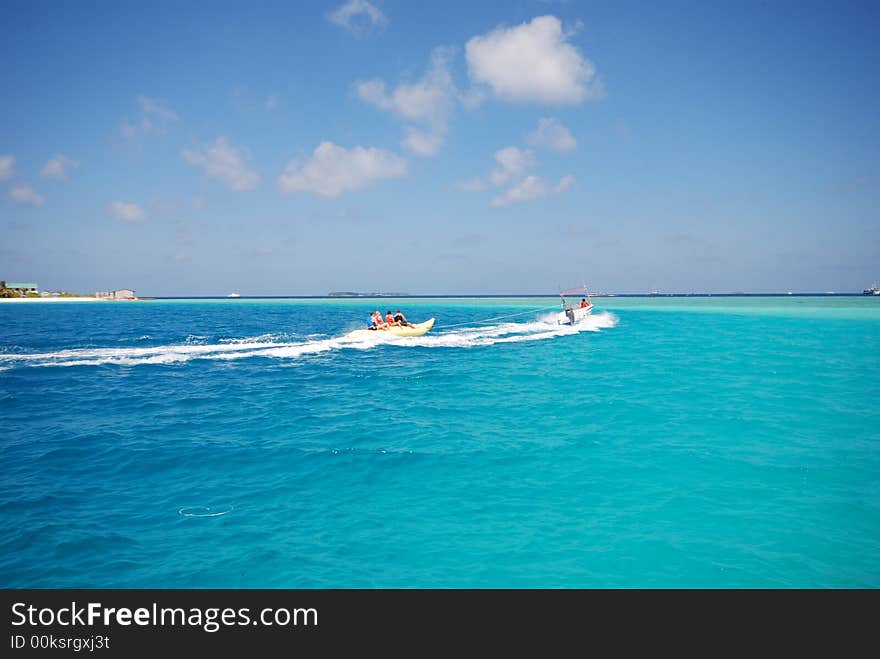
{"x":514,"y":295}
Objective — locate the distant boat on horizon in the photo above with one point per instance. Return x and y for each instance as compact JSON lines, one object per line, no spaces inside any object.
{"x":874,"y":290}
{"x":233,"y":295}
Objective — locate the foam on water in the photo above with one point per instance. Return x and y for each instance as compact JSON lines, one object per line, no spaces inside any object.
{"x":286,"y":346}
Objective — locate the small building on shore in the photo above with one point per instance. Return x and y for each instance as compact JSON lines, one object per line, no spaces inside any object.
{"x":119,"y":294}
{"x":22,"y":288}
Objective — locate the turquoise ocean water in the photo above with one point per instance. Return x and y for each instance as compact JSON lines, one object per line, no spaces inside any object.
{"x":671,"y":442}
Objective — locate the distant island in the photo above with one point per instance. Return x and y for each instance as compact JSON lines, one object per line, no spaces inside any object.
{"x":353,"y":294}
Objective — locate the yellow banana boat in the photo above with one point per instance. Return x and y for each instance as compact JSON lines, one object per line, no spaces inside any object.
{"x":395,"y":330}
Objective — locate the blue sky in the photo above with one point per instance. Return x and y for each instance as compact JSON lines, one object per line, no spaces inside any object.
{"x":513,"y":147}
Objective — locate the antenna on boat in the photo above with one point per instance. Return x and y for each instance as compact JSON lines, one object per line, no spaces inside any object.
{"x":586,"y":290}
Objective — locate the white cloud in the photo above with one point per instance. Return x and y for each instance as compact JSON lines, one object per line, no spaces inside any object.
{"x":564,"y":184}
{"x":58,"y":167}
{"x":513,"y":162}
{"x":551,"y":134}
{"x":222,"y":160}
{"x":472,"y":185}
{"x":472,"y":98}
{"x":531,"y":187}
{"x":421,"y":143}
{"x":156,"y":108}
{"x":7,"y":166}
{"x":25,"y":194}
{"x":532,"y":63}
{"x":127,"y":211}
{"x":358,"y":17}
{"x":373,"y":91}
{"x":154,"y":119}
{"x":333,"y":170}
{"x":429,"y":101}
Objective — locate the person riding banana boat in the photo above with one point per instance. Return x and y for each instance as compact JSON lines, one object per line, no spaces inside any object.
{"x":390,"y":320}
{"x":395,"y":324}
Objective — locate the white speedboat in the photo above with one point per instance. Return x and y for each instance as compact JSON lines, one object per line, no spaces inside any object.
{"x":233,"y":295}
{"x":572,"y":314}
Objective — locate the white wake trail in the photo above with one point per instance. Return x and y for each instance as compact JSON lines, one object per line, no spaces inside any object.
{"x":275,"y":347}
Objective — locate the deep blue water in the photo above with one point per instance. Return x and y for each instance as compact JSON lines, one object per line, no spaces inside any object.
{"x":673,"y":442}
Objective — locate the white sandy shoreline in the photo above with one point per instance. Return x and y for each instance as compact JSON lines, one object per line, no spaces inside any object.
{"x":59,"y":299}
